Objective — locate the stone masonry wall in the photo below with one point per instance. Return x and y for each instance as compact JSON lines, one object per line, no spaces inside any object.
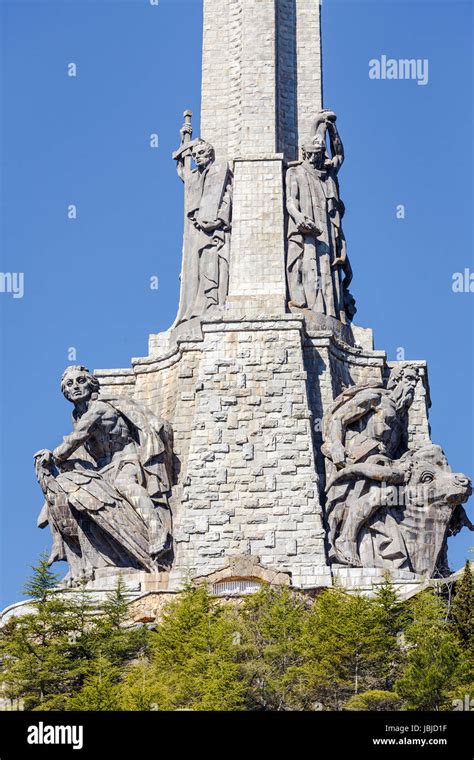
{"x":261,"y":75}
{"x":250,"y":485}
{"x":216,"y":64}
{"x":257,"y":265}
{"x":309,"y":74}
{"x":246,"y":405}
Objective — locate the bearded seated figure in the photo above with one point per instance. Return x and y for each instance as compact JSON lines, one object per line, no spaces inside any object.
{"x":388,"y":506}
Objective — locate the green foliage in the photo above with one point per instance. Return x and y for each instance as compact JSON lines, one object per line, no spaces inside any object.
{"x":434,"y":661}
{"x":274,"y":650}
{"x":141,"y":690}
{"x":42,"y":582}
{"x":345,"y":645}
{"x":463,"y":610}
{"x":35,"y":650}
{"x":194,"y":655}
{"x":100,"y":690}
{"x":63,"y":653}
{"x":374,"y":701}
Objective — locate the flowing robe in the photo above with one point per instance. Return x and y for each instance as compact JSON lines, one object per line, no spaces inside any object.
{"x":313,"y":283}
{"x":205,"y":272}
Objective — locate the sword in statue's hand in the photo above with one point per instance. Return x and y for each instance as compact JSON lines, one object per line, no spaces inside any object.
{"x":183,"y":154}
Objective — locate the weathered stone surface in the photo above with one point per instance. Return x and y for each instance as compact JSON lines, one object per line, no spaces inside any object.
{"x":317,"y":252}
{"x":207,"y":226}
{"x":392,"y":501}
{"x":261,"y":75}
{"x":108,"y":506}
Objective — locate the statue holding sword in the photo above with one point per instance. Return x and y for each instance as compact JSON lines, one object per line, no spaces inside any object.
{"x":207,"y":225}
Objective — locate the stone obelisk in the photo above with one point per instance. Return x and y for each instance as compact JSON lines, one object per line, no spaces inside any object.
{"x":261,"y":86}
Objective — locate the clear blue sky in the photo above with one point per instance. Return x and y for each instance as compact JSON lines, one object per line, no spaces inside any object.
{"x":85,"y":141}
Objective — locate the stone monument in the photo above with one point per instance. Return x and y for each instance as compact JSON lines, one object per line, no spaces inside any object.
{"x":263,"y":439}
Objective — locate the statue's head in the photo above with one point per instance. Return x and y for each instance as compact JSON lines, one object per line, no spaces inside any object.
{"x":203,"y":154}
{"x":402,"y":382}
{"x":314,"y":152}
{"x":78,"y":384}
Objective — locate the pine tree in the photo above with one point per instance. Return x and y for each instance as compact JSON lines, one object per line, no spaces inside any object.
{"x":115,"y":607}
{"x":100,"y":691}
{"x":271,"y":650}
{"x":391,"y":616}
{"x":83,"y":648}
{"x":141,"y":690}
{"x":345,"y":648}
{"x":114,"y":637}
{"x":275,"y":650}
{"x":37,"y":667}
{"x":64,"y":653}
{"x":374,"y":701}
{"x":194,"y":662}
{"x":463,"y":610}
{"x":433,"y":657}
{"x":42,"y":582}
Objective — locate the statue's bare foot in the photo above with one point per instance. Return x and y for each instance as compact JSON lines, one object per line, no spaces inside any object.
{"x":346,"y":552}
{"x":295,"y":305}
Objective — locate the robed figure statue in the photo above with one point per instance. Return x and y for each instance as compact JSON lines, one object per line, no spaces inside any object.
{"x":317,"y":255}
{"x":207,"y":226}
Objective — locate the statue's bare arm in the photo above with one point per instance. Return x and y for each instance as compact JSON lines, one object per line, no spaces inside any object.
{"x":83,"y":430}
{"x":350,"y":412}
{"x":337,"y":148}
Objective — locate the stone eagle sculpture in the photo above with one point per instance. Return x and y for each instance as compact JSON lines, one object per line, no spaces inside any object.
{"x":107,"y":485}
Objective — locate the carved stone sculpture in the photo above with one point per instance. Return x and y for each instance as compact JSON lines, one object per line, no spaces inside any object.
{"x":107,"y":485}
{"x":208,"y":217}
{"x":317,"y":255}
{"x":386,"y":506}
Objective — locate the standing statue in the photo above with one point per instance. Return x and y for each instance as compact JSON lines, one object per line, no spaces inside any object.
{"x":386,"y":506}
{"x":107,"y":506}
{"x":207,"y":227}
{"x":317,"y":255}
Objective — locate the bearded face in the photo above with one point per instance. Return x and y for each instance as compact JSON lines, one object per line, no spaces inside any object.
{"x":404,"y":391}
{"x":315,"y":157}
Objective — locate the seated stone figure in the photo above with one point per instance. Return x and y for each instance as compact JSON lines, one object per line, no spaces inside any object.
{"x":386,"y":506}
{"x":108,"y":506}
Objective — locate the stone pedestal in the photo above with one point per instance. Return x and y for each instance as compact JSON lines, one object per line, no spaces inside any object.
{"x":246,"y":403}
